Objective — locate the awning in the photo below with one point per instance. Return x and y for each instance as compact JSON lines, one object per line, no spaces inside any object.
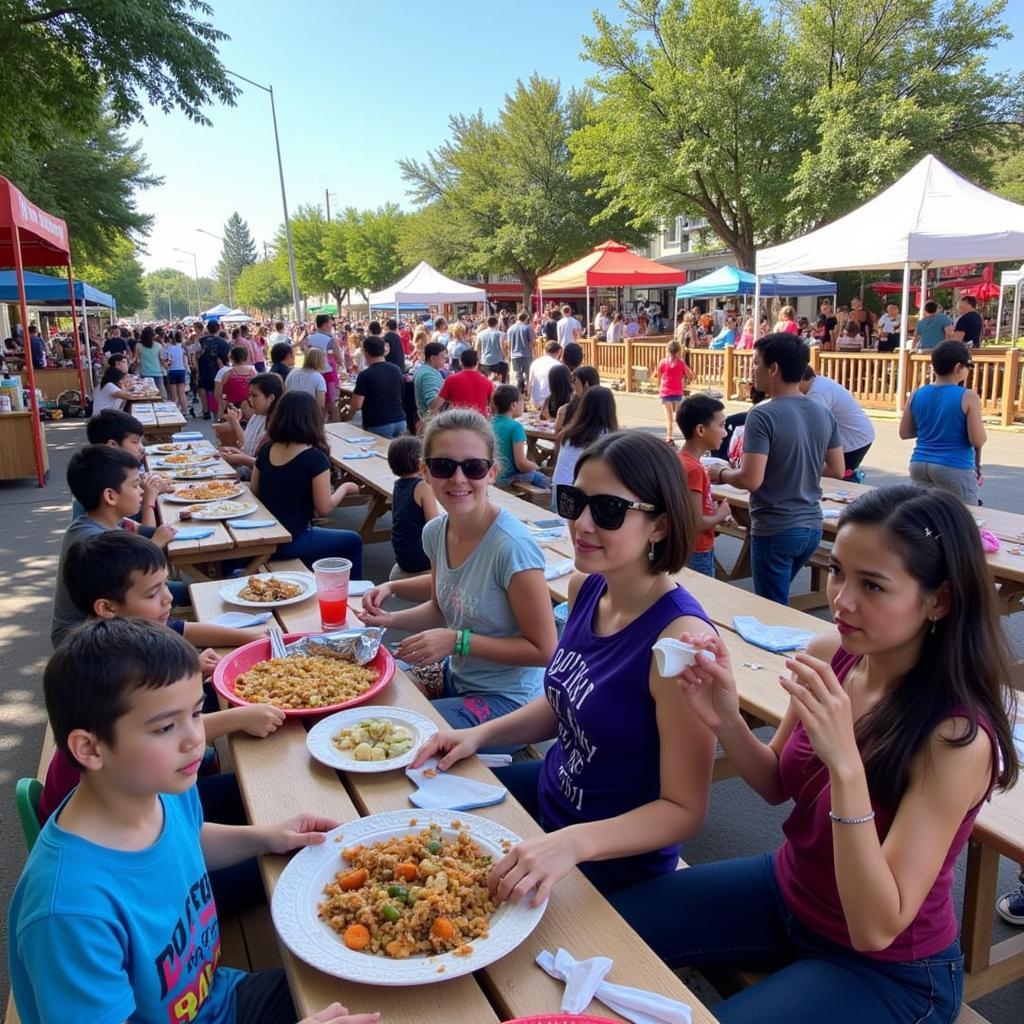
{"x":612,"y":265}
{"x":41,"y":290}
{"x":733,"y":281}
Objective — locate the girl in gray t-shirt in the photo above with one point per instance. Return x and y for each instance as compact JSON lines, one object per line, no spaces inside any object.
{"x":485,"y":603}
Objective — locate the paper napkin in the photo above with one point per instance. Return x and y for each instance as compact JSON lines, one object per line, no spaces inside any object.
{"x":239,"y":620}
{"x":451,"y":792}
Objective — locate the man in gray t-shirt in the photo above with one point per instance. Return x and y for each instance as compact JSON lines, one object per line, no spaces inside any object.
{"x":789,"y":443}
{"x":520,"y":342}
{"x":492,"y":346}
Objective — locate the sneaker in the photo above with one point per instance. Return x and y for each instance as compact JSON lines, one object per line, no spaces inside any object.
{"x":1011,"y":906}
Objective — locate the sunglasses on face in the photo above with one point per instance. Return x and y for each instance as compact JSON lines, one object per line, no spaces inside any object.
{"x":472,"y":469}
{"x":607,"y":510}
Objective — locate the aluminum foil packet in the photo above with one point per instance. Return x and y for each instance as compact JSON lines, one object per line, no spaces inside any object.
{"x":358,"y":645}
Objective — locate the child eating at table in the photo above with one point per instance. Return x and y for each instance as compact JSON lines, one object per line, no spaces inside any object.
{"x":897,"y":732}
{"x":701,"y":418}
{"x":105,"y":480}
{"x":629,"y":775}
{"x":485,"y":604}
{"x":122,"y":430}
{"x":413,"y":505}
{"x":514,"y":465}
{"x":264,"y":390}
{"x":114,"y":917}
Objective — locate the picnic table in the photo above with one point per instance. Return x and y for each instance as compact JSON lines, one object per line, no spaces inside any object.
{"x":541,"y":441}
{"x":226,"y":542}
{"x":1005,"y":565}
{"x":160,"y":419}
{"x":278,"y":778}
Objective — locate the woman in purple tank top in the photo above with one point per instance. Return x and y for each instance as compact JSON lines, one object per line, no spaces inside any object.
{"x":897,"y":732}
{"x":630,"y":773}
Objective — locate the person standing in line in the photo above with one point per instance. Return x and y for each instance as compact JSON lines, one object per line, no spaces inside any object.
{"x":378,"y":392}
{"x":889,"y":328}
{"x":856,"y":431}
{"x":393,"y":340}
{"x":550,"y":325}
{"x":323,"y":338}
{"x":255,"y":346}
{"x":493,"y":347}
{"x":861,"y":315}
{"x":177,"y":373}
{"x":468,"y":388}
{"x":617,"y":329}
{"x":602,"y":322}
{"x":933,"y":327}
{"x":520,"y":349}
{"x":428,"y":377}
{"x":945,"y":417}
{"x":789,"y":443}
{"x":151,"y":363}
{"x":969,"y":324}
{"x":569,"y":328}
{"x":825,"y":332}
{"x":278,"y":335}
{"x":539,"y":384}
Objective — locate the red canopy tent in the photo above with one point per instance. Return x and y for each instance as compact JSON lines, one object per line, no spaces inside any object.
{"x":31,"y":237}
{"x":610,"y":264}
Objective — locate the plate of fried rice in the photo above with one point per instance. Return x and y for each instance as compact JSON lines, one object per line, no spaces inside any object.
{"x":401,"y":898}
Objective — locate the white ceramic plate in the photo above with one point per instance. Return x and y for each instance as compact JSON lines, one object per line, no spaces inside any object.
{"x":320,"y":739}
{"x":192,"y":473}
{"x":300,"y":889}
{"x":223,"y":510}
{"x":180,"y":499}
{"x":196,"y":459}
{"x":230,"y":590}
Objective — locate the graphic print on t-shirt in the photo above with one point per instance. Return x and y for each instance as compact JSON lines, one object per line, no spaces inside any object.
{"x":568,"y":671}
{"x":191,"y":955}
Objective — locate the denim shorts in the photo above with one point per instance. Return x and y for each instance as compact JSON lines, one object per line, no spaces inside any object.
{"x":672,"y":398}
{"x":177,"y":376}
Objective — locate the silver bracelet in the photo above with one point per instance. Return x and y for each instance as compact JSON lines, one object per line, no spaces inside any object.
{"x":850,"y":821}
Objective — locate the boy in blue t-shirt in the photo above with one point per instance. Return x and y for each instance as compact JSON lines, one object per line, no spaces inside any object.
{"x":514,"y":465}
{"x":113,"y":917}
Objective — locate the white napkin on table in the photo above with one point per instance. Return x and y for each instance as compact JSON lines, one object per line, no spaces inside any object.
{"x":584,"y":981}
{"x":356,"y":588}
{"x":351,"y":456}
{"x":239,"y":620}
{"x":554,"y":570}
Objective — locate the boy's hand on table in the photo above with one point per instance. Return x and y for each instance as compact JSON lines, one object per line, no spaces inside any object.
{"x":163,"y":535}
{"x":293,"y":834}
{"x":338,"y":1014}
{"x":208,"y":661}
{"x":259,"y":720}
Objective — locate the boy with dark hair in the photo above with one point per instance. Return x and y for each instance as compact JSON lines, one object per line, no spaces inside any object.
{"x":393,"y":345}
{"x":514,"y":465}
{"x":282,"y":359}
{"x":429,"y":375}
{"x":114,"y":916}
{"x":378,"y":391}
{"x":789,"y":443}
{"x":701,"y":419}
{"x":413,"y":505}
{"x":105,"y":481}
{"x":467,"y":388}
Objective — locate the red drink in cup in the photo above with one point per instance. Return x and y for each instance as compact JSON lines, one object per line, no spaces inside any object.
{"x":332,"y":576}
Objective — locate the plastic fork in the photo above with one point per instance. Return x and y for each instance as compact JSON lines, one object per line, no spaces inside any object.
{"x":277,"y":649}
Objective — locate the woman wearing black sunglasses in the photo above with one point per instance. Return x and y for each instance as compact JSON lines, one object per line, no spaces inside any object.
{"x":631,"y":772}
{"x":485,"y":603}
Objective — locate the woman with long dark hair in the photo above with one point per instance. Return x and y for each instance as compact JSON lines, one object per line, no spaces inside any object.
{"x":292,"y":477}
{"x":560,"y":382}
{"x":897,"y":732}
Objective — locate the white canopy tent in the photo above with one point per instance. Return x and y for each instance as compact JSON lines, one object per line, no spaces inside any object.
{"x":426,"y":286}
{"x":235,"y":316}
{"x":1010,"y":279}
{"x":931,"y":217}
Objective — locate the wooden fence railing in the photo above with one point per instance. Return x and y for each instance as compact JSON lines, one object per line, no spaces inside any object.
{"x":871,"y":377}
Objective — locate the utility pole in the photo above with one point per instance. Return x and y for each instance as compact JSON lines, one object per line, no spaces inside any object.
{"x":327,"y":200}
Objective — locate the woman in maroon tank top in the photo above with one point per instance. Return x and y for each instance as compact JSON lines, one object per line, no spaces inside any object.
{"x":897,"y":732}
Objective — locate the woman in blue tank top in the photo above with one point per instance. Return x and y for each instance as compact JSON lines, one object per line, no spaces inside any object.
{"x":630,"y":773}
{"x":945,"y":417}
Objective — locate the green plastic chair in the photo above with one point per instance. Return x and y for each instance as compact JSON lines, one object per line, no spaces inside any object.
{"x":26,"y":795}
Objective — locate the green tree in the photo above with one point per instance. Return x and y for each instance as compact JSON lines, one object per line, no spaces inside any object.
{"x":429,"y":234}
{"x":693,"y":117}
{"x":508,"y":192}
{"x":238,"y":250}
{"x":262,"y":286}
{"x":882,"y":82}
{"x":62,"y":60}
{"x":167,"y":293}
{"x":119,"y":273}
{"x":88,"y":175}
{"x":373,"y":253}
{"x":337,"y":244}
{"x":1009,"y":170}
{"x":308,"y":226}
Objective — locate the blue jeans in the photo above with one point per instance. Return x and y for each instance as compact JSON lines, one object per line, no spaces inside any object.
{"x":396,"y":429}
{"x":776,"y":559}
{"x":534,"y":477}
{"x":702,"y":561}
{"x":731,"y":913}
{"x":469,"y":709}
{"x":320,"y":542}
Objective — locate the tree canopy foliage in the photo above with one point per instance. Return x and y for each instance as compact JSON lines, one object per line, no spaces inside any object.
{"x":119,"y":273}
{"x":505,"y":195}
{"x":238,"y":250}
{"x":263,"y":286}
{"x":770,"y":123}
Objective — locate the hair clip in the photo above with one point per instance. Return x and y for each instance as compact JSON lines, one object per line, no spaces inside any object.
{"x":934,"y":536}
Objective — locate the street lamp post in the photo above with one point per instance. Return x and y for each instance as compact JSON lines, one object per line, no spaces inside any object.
{"x":195,"y":267}
{"x":284,"y":199}
{"x":227,"y":269}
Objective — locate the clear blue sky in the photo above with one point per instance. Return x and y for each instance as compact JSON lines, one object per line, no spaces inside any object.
{"x":357,"y":85}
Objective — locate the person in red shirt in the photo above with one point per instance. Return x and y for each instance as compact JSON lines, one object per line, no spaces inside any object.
{"x":672,"y":371}
{"x":468,"y":388}
{"x":701,"y":418}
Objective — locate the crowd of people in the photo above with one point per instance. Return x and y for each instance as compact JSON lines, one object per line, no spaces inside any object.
{"x":898,"y":727}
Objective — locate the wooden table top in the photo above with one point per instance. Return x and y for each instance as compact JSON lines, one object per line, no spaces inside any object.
{"x":158,"y":414}
{"x":278,"y":778}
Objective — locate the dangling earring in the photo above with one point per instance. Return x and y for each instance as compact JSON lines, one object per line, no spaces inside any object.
{"x":935,"y":626}
{"x":650,"y":552}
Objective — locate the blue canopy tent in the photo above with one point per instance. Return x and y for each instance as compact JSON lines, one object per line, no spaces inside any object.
{"x":733,"y":281}
{"x":42,"y":290}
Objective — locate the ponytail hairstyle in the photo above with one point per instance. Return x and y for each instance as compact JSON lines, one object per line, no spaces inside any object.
{"x":965,"y":665}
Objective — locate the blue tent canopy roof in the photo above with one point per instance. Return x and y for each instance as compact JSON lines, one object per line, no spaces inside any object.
{"x":733,"y":281}
{"x":41,"y":289}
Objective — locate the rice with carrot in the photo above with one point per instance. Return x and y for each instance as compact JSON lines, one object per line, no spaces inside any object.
{"x":412,"y":895}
